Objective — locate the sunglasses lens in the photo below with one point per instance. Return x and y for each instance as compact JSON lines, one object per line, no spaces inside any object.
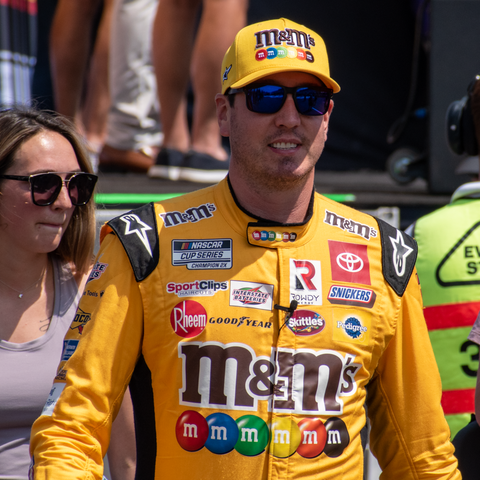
{"x":80,"y":188}
{"x":265,"y":99}
{"x":270,"y":99}
{"x":45,"y":188}
{"x":311,"y":101}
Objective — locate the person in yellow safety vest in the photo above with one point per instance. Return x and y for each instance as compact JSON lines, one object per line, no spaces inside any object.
{"x":448,"y":266}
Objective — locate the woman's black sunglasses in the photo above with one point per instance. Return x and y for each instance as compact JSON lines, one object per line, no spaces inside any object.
{"x":310,"y":101}
{"x":46,"y":187}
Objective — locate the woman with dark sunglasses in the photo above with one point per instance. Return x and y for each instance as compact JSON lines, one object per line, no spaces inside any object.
{"x":47,"y":233}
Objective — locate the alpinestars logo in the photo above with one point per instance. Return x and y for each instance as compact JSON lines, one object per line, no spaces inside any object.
{"x":400,"y":253}
{"x":226,"y":72}
{"x":133,"y":224}
{"x":306,"y":282}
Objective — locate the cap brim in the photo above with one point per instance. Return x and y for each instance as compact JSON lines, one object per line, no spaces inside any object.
{"x":265,"y":72}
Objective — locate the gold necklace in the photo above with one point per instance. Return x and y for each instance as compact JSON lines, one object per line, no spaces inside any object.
{"x":21,"y":292}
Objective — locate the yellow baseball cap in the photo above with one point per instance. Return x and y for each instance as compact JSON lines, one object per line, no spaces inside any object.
{"x":275,"y":46}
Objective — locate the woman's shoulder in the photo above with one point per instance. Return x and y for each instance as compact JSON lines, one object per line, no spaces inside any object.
{"x":68,"y":274}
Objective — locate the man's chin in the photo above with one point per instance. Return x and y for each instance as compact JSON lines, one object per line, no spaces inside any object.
{"x":287,"y":179}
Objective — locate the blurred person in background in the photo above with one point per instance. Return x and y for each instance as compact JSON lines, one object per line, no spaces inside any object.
{"x":180,"y":53}
{"x":449,"y":271}
{"x":134,"y":132}
{"x":79,"y":51}
{"x":464,"y":352}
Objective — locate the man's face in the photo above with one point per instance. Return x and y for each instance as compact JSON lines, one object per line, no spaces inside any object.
{"x":278,"y":150}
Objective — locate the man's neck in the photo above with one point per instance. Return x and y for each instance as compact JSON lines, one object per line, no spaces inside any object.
{"x":282,"y":206}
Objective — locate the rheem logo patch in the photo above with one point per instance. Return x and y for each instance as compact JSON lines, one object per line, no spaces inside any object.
{"x":188,"y":319}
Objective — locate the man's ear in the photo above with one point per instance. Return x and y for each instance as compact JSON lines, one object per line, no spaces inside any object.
{"x":223,"y":114}
{"x":326,"y":118}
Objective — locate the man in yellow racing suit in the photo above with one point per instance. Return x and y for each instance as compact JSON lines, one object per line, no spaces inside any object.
{"x":268,"y":341}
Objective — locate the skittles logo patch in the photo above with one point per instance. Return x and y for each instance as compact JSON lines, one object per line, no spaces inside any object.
{"x":306,"y":322}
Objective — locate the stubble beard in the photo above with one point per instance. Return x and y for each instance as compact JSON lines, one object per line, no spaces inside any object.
{"x":285,"y":177}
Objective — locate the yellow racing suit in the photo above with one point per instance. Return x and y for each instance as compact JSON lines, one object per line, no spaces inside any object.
{"x":267,"y":346}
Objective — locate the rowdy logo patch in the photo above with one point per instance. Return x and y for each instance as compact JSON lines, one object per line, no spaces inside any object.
{"x":306,"y":282}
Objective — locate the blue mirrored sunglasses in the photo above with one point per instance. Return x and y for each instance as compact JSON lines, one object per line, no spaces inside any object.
{"x":311,"y":101}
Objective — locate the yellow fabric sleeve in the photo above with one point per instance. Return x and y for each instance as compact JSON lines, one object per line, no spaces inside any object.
{"x":407,"y":445}
{"x":75,"y":436}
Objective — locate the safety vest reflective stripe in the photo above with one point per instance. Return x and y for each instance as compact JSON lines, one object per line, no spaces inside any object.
{"x":458,"y":401}
{"x":451,"y":316}
{"x":457,"y":358}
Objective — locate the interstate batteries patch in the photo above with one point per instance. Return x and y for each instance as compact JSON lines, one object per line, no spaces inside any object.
{"x":203,"y":254}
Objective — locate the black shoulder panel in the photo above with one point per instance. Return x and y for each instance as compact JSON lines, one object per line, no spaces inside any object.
{"x":137,"y":230}
{"x":399,"y":253}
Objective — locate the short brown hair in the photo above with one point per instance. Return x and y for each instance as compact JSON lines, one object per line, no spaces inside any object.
{"x":19,"y":124}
